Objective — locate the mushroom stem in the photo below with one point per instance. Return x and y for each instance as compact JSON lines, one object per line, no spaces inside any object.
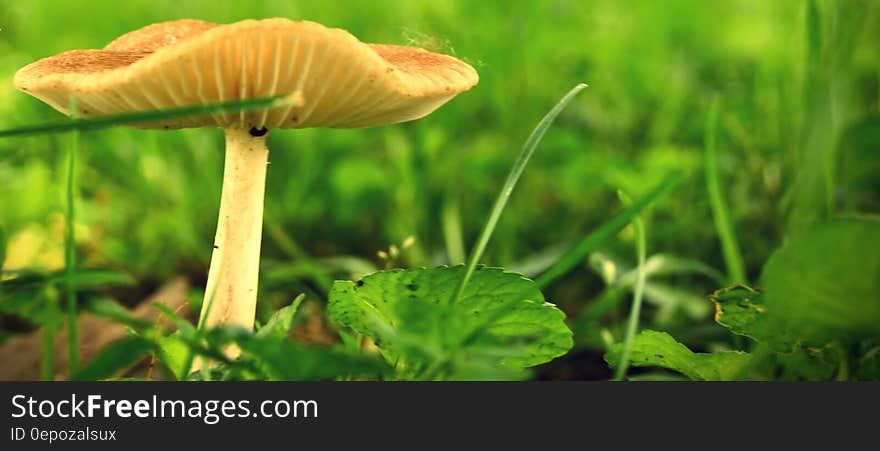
{"x":231,"y":292}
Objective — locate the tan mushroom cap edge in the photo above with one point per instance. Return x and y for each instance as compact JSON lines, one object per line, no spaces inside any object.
{"x":341,"y":81}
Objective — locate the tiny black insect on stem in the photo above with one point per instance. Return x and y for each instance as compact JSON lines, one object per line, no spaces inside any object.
{"x":259,"y":132}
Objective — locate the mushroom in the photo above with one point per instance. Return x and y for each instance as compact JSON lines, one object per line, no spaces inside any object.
{"x":337,"y":80}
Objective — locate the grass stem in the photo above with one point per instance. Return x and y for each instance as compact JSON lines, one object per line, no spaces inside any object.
{"x":47,"y":356}
{"x":147,"y":116}
{"x":512,"y":177}
{"x":638,"y":292}
{"x":589,"y":243}
{"x":736,"y":272}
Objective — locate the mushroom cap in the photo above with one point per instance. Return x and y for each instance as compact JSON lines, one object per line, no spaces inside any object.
{"x":338,"y":80}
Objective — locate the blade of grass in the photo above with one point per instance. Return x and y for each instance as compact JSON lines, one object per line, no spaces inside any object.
{"x":512,"y":177}
{"x":736,"y":272}
{"x":592,"y":241}
{"x":47,"y":357}
{"x":638,"y":291}
{"x":607,"y":300}
{"x":70,"y":253}
{"x":150,"y":116}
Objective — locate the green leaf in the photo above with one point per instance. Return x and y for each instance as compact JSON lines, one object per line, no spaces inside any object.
{"x":292,"y":361}
{"x":279,"y":325}
{"x":95,"y":278}
{"x":109,"y":308}
{"x":742,"y":310}
{"x":653,"y":348}
{"x":184,"y":326}
{"x":406,"y":314}
{"x":812,"y":364}
{"x":824,"y":285}
{"x":31,"y":296}
{"x":115,"y":357}
{"x":175,"y":354}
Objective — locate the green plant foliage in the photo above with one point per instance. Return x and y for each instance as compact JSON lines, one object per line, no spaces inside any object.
{"x":268,"y":358}
{"x":34,"y":295}
{"x":742,"y":310}
{"x":500,"y":318}
{"x":619,"y":279}
{"x":869,"y":362}
{"x":740,"y":136}
{"x":813,"y":364}
{"x":281,"y":322}
{"x":595,"y":238}
{"x":89,"y":278}
{"x":31,"y":297}
{"x":146,"y":117}
{"x":292,"y":361}
{"x":653,"y":348}
{"x":174,"y":354}
{"x":111,"y":309}
{"x":824,"y":285}
{"x":117,"y":356}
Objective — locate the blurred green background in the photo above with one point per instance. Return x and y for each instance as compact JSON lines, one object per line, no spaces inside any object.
{"x":798,"y":92}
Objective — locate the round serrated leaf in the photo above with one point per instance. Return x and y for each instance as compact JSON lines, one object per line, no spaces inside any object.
{"x":500,"y":316}
{"x":824,"y":285}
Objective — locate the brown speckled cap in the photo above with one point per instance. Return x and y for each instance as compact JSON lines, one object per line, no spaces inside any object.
{"x":340,"y":81}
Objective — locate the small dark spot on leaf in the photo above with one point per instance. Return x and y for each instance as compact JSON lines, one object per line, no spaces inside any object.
{"x":659,"y":356}
{"x":359,"y":283}
{"x":412,"y":286}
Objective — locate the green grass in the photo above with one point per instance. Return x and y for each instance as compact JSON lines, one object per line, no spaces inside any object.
{"x":735,"y":126}
{"x":513,"y":176}
{"x":74,"y":124}
{"x":632,"y":324}
{"x":720,"y":212}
